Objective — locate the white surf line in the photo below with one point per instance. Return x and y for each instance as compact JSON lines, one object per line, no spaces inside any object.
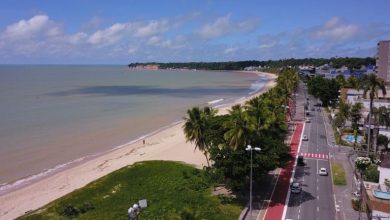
{"x":293,"y":173}
{"x":277,"y":178}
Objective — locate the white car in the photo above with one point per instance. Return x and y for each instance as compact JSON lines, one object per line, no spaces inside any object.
{"x":323,"y":172}
{"x":296,"y":187}
{"x":304,"y":138}
{"x":307,"y":120}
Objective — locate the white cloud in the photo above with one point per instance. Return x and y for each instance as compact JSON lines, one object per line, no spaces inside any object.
{"x":223,"y":25}
{"x":77,"y":38}
{"x":25,"y":29}
{"x":154,"y":40}
{"x":230,"y":50}
{"x":334,"y":29}
{"x":132,"y":49}
{"x":217,"y":28}
{"x":151,"y":28}
{"x":107,"y":36}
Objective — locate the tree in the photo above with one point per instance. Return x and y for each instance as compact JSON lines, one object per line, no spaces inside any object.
{"x":383,"y":141}
{"x":340,"y":79}
{"x":327,"y":90}
{"x":352,"y":82}
{"x":356,"y":115}
{"x":237,"y":133}
{"x":371,"y":84}
{"x":196,"y":126}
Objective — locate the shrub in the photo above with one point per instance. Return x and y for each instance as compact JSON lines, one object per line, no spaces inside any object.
{"x":355,"y":204}
{"x":86,"y":207}
{"x":372,"y":173}
{"x":70,"y":211}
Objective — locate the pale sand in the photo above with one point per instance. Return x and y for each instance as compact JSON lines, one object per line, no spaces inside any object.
{"x":169,"y":144}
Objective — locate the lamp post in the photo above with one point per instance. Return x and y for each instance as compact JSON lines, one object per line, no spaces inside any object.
{"x":250,"y":148}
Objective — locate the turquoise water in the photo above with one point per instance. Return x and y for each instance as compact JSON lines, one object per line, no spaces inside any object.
{"x":351,"y":138}
{"x":53,"y":114}
{"x":382,"y":195}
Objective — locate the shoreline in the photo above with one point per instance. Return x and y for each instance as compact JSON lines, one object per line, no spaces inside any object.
{"x":165,"y":143}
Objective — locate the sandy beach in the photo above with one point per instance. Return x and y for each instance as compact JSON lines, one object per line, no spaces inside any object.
{"x":168,"y":144}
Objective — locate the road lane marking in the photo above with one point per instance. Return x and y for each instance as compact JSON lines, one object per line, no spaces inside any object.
{"x":293,"y":173}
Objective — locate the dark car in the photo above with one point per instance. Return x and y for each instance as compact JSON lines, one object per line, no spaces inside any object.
{"x":301,"y":161}
{"x":296,"y":187}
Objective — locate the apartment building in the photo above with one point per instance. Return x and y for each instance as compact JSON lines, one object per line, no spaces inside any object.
{"x":383,"y":60}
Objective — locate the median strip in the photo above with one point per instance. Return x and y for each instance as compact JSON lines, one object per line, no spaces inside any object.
{"x":338,"y":175}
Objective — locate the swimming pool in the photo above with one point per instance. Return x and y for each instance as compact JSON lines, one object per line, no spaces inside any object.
{"x":351,"y":138}
{"x":381,"y":195}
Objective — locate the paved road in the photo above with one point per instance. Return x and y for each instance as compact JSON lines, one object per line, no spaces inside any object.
{"x":277,"y":204}
{"x":316,"y":201}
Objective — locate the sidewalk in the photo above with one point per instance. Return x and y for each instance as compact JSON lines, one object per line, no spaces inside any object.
{"x":343,"y":194}
{"x":275,"y":209}
{"x":262,"y":191}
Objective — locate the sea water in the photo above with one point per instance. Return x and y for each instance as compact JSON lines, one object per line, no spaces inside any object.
{"x":54,"y":115}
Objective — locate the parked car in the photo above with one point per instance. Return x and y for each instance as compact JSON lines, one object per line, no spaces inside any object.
{"x":307,"y":120}
{"x":304,"y":138}
{"x":296,"y":187}
{"x":323,"y":171}
{"x":301,"y":161}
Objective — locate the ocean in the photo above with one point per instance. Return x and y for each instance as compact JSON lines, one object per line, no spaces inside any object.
{"x":52,"y":116}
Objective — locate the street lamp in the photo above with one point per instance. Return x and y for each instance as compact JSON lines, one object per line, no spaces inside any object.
{"x":136,"y":209}
{"x":250,"y":148}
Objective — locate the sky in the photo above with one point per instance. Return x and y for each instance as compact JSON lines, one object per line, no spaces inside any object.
{"x":124,"y":31}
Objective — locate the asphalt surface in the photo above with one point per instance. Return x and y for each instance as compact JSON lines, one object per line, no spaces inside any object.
{"x":316,"y":200}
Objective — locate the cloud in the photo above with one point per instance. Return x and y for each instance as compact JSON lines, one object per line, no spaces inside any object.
{"x":23,"y":28}
{"x":334,"y":37}
{"x":107,"y":36}
{"x":223,"y":25}
{"x":335,"y":29}
{"x":151,"y":28}
{"x":183,"y":38}
{"x":230,"y":50}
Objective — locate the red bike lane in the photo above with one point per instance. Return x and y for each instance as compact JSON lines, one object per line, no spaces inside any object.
{"x":276,"y":206}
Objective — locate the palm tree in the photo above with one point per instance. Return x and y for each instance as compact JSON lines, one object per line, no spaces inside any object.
{"x":237,"y":133}
{"x":352,"y":82}
{"x":355,"y":116}
{"x":371,"y":84}
{"x":195,"y":128}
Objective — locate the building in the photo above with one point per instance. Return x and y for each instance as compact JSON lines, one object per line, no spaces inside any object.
{"x":377,"y":195}
{"x":383,"y":60}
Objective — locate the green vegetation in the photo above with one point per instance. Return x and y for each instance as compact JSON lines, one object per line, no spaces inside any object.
{"x":356,"y":204}
{"x":338,"y":174}
{"x":173,"y":191}
{"x":371,"y":173}
{"x":270,"y":64}
{"x":261,"y":122}
{"x":327,"y":90}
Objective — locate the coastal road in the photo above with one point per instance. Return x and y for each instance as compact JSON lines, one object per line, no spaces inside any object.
{"x":316,"y":201}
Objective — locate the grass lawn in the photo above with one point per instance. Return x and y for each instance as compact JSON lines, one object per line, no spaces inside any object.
{"x":338,"y":174}
{"x":173,"y":191}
